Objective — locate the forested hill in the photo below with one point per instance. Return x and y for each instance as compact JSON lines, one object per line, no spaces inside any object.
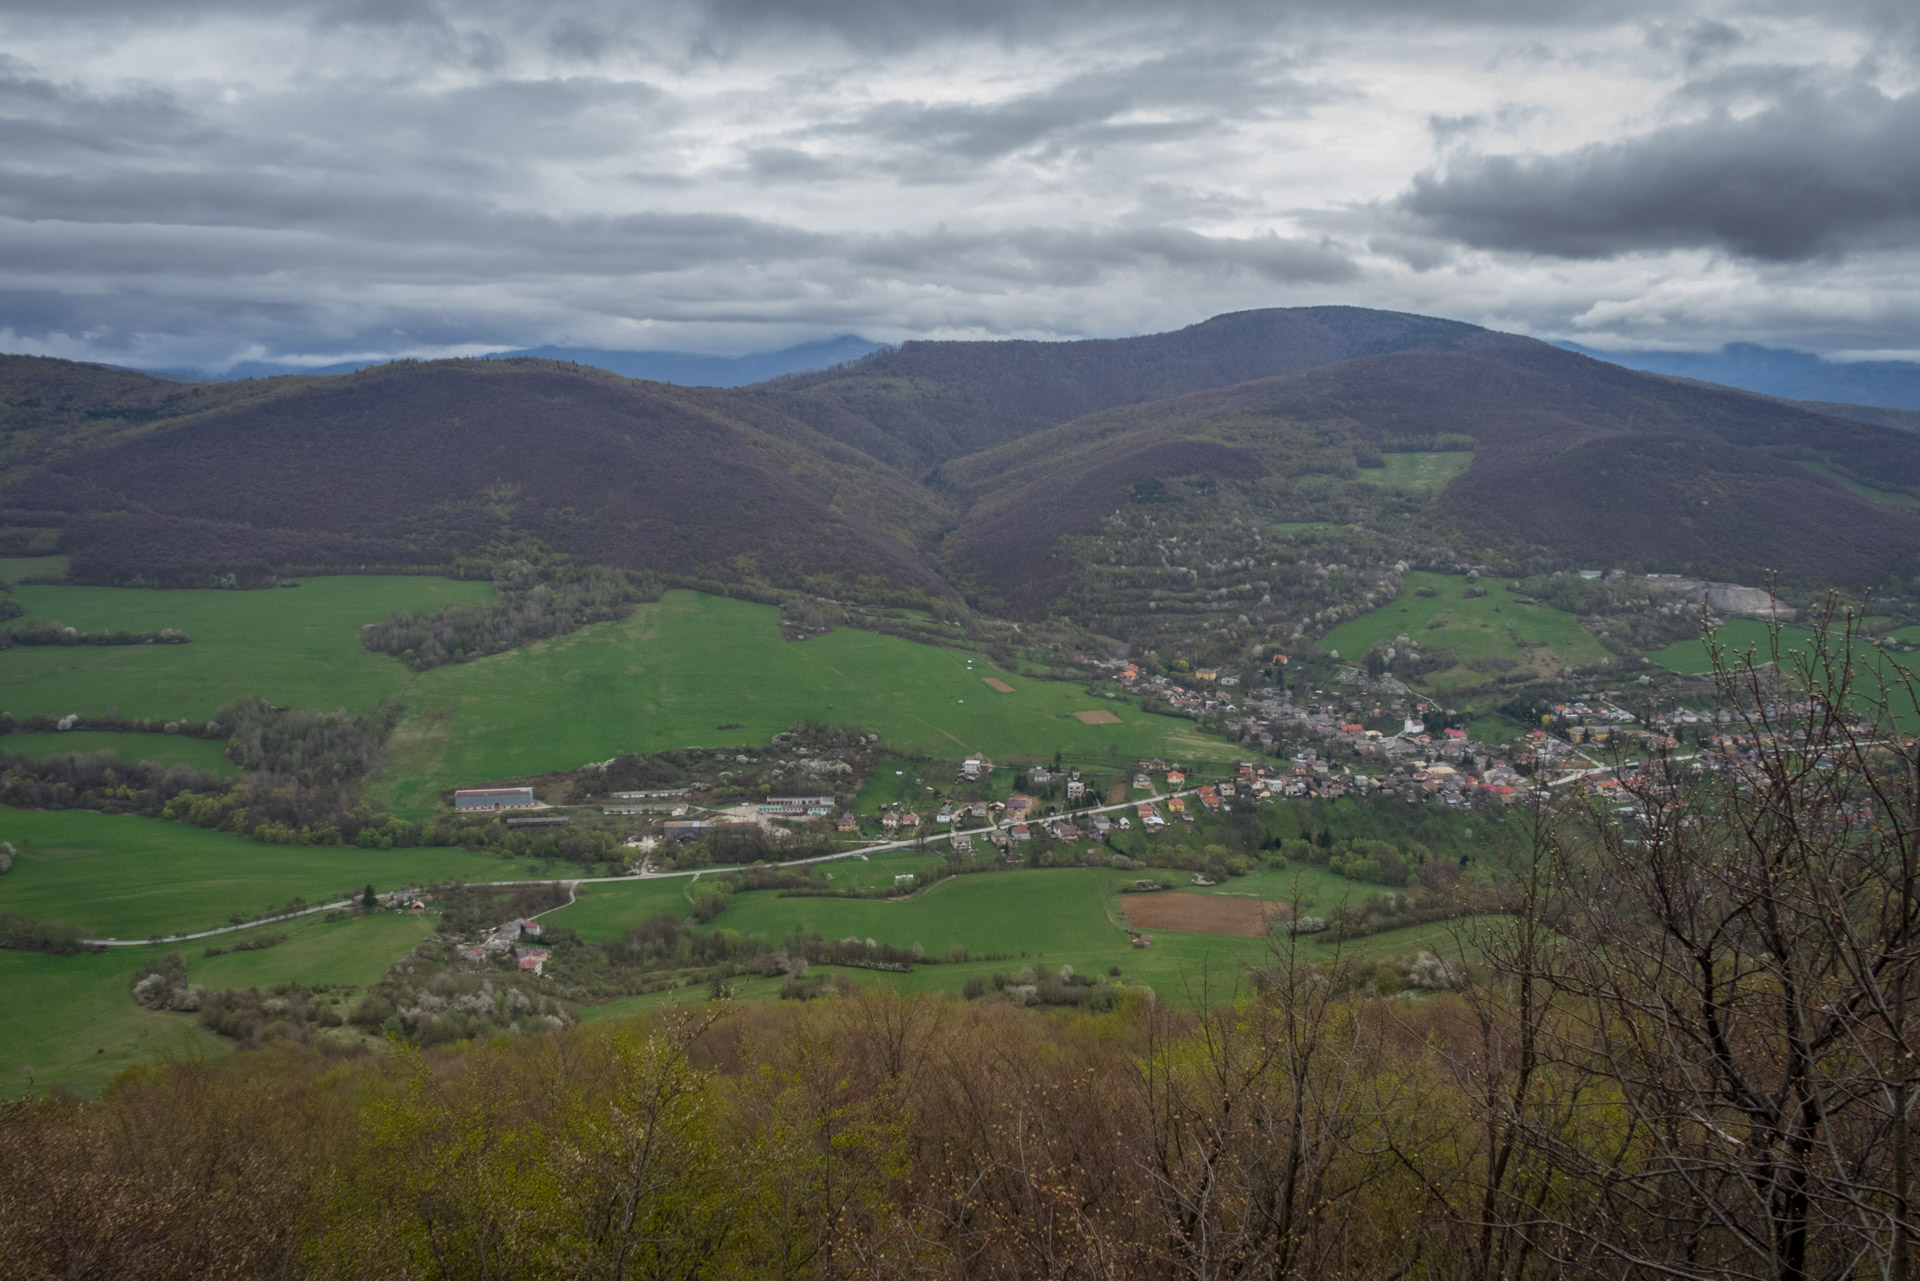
{"x":984,"y":469}
{"x":419,"y":464}
{"x":920,"y":404}
{"x":1579,"y":460}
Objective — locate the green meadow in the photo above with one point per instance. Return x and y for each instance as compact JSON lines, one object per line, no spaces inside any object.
{"x":1736,"y":636}
{"x":204,"y":754}
{"x":1478,"y":627}
{"x":682,"y":668}
{"x":72,"y":1021}
{"x":296,"y":647}
{"x":1430,"y":471}
{"x":1043,"y":917}
{"x":125,"y":877}
{"x":609,"y":909}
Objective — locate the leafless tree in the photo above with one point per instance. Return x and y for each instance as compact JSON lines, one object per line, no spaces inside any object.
{"x":1737,"y":950}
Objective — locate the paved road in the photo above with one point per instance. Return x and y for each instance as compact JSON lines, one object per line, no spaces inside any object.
{"x":575,"y":882}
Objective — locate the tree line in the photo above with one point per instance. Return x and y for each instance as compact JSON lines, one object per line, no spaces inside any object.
{"x":530,"y":602}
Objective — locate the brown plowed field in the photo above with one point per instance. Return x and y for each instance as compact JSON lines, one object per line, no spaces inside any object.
{"x":1200,"y":913}
{"x":1096,"y":718}
{"x":1000,"y":685}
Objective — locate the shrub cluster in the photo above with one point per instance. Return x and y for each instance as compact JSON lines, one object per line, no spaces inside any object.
{"x":530,"y":602}
{"x":50,"y":632}
{"x":24,"y":934}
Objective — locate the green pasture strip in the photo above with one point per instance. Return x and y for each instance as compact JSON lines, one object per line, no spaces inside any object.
{"x":686,"y":665}
{"x":297,"y":647}
{"x":746,"y":987}
{"x":1443,"y":938}
{"x":914,"y":782}
{"x":204,"y":754}
{"x":14,"y":569}
{"x":130,"y":878}
{"x":609,"y":909}
{"x":1420,"y":471}
{"x":878,"y":872}
{"x":1884,"y":497}
{"x":73,"y":1019}
{"x":1736,"y":636}
{"x":1482,"y":627}
{"x":354,"y":952}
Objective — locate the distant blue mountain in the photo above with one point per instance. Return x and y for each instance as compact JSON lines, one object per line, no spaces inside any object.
{"x":691,"y":370}
{"x":1781,"y":371}
{"x":688,"y":369}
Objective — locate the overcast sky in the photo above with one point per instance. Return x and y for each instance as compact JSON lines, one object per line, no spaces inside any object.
{"x":198,"y":183}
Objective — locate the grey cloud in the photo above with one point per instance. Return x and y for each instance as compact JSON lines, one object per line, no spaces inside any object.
{"x":39,"y":115}
{"x":892,"y":23}
{"x":1698,"y":41}
{"x":1082,"y":256}
{"x":1193,"y":93}
{"x":1811,"y":176}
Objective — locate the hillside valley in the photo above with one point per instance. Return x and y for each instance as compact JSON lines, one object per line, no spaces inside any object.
{"x":1015,"y":478}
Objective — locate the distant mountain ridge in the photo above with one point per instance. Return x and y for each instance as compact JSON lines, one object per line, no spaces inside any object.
{"x":991,"y":470}
{"x":1782,"y":372}
{"x":682,"y":368}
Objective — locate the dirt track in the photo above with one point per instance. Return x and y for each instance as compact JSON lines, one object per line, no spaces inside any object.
{"x":1200,"y":913}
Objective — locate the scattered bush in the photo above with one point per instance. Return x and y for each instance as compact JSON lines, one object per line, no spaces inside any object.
{"x":24,"y":934}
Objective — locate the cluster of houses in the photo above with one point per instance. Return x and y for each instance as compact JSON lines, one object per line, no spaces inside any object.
{"x":1414,"y":764}
{"x":519,"y":939}
{"x":1202,"y":695}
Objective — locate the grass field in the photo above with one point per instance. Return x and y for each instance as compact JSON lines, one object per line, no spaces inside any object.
{"x":72,"y":1021}
{"x":1420,"y":471}
{"x":1053,"y":915}
{"x":123,"y":877}
{"x":356,"y":951}
{"x":296,"y":647}
{"x":1493,"y":730}
{"x":607,"y":911}
{"x":1482,"y":627}
{"x":69,"y":1020}
{"x":1884,"y":497}
{"x":203,"y":754}
{"x":1736,"y":635}
{"x":687,"y":664}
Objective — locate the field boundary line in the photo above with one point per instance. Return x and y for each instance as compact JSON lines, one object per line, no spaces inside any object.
{"x":573,"y":882}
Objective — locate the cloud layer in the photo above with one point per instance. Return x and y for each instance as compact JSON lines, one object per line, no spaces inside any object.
{"x":202,"y":183}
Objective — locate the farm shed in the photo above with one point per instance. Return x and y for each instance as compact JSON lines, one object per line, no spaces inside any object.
{"x":493,"y":798}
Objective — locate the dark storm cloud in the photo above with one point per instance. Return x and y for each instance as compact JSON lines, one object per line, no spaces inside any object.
{"x":1811,"y":176}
